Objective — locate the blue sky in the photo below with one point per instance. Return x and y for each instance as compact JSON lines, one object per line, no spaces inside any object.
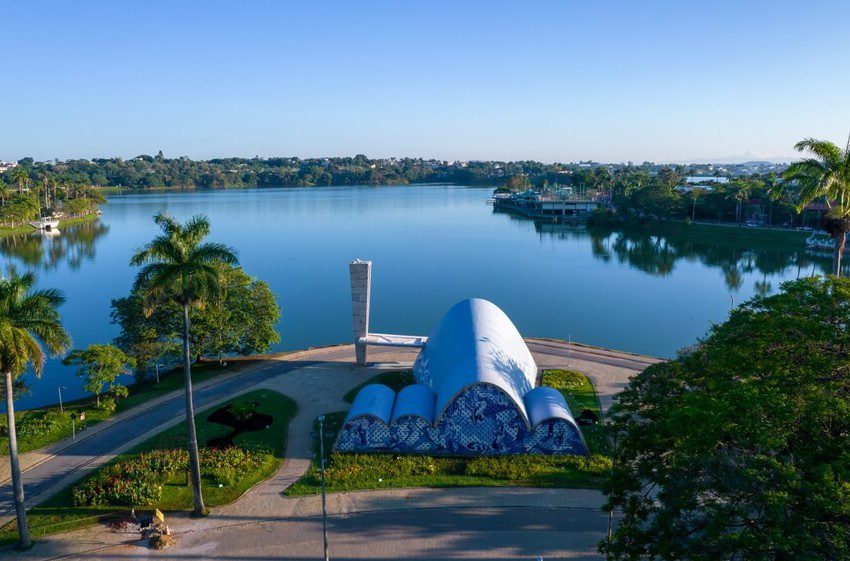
{"x":552,"y":81}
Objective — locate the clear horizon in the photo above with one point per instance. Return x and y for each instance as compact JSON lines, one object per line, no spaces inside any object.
{"x":549,"y":81}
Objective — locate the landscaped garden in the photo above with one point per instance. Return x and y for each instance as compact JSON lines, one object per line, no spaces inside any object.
{"x":348,"y":472}
{"x":243,"y":442}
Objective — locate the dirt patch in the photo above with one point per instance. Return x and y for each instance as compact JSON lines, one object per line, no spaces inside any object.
{"x":241,"y":417}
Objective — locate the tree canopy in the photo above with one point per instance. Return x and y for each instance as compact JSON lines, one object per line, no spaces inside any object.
{"x":741,"y":449}
{"x":100,"y":366}
{"x":242,"y":322}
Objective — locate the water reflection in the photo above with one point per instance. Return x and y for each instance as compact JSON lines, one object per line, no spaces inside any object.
{"x":658,"y":254}
{"x":73,"y":245}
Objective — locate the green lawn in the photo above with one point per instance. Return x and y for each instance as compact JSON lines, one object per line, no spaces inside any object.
{"x":396,"y":380}
{"x":43,"y":426}
{"x":59,"y":514}
{"x":348,"y":472}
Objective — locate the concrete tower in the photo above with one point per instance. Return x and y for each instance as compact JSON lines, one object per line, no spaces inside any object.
{"x":361,"y":294}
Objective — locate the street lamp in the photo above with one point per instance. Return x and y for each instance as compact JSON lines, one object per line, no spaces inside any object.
{"x":157,"y":365}
{"x":321,"y":420}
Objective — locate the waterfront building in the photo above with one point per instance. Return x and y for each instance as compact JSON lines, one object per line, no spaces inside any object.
{"x":476,"y":391}
{"x":560,"y":205}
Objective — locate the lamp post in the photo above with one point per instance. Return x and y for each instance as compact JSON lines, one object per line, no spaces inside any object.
{"x":157,"y":365}
{"x":61,"y":408}
{"x":321,"y":420}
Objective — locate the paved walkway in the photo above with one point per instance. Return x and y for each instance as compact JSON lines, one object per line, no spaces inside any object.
{"x":317,"y":380}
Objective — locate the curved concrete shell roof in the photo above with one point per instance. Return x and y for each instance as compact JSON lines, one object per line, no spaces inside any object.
{"x":374,"y":400}
{"x":544,"y":403}
{"x":475,"y":343}
{"x":415,"y":400}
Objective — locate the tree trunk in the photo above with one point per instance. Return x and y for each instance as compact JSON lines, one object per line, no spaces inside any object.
{"x":17,"y":485}
{"x":840,"y":240}
{"x":194,"y":458}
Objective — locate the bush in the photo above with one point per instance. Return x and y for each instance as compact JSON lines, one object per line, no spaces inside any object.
{"x":226,"y":466}
{"x":130,"y":483}
{"x":242,"y":410}
{"x":37,"y":424}
{"x":107,"y":404}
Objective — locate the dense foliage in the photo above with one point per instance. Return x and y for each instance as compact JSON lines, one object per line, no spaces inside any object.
{"x":741,"y":449}
{"x":139,"y":481}
{"x":144,"y":171}
{"x":825,"y":176}
{"x":27,"y":193}
{"x":36,"y":425}
{"x":242,"y":322}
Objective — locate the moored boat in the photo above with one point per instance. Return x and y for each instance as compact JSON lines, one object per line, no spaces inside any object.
{"x":45,"y":223}
{"x":820,"y":241}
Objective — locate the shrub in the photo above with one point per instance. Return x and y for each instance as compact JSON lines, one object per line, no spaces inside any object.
{"x":38,"y":424}
{"x":107,"y":404}
{"x":226,"y":466}
{"x":242,"y":410}
{"x":111,"y":486}
{"x":129,"y":483}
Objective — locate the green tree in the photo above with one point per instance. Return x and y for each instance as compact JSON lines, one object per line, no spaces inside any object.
{"x":21,"y":176}
{"x":28,"y":319}
{"x":518,"y":183}
{"x":739,"y":450}
{"x":243,"y":323}
{"x":825,"y":175}
{"x":178,"y":266}
{"x":100,"y":366}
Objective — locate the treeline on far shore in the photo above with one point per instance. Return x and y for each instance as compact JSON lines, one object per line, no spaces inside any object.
{"x":149,"y":172}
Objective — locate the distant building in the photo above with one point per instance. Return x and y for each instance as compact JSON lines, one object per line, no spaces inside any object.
{"x":6,"y":166}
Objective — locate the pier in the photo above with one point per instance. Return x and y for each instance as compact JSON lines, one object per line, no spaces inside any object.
{"x":549,"y":206}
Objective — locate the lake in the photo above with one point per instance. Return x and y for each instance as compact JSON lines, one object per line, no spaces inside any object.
{"x":431,"y":245}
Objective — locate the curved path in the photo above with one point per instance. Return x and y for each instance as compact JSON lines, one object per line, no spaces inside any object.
{"x":317,"y":379}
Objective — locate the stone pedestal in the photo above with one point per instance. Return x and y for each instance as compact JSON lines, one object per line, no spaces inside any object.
{"x":361,"y":292}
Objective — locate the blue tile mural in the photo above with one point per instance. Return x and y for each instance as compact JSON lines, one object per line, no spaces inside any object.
{"x":481,"y":420}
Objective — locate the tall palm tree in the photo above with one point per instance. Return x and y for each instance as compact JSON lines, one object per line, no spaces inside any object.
{"x":739,"y":190}
{"x":177,"y":266}
{"x":825,"y":175}
{"x":28,"y":320}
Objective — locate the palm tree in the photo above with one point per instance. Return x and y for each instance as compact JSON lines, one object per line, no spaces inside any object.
{"x":28,"y":320}
{"x":739,"y":191}
{"x":825,"y":175}
{"x":178,"y":267}
{"x":21,"y":177}
{"x":4,"y":192}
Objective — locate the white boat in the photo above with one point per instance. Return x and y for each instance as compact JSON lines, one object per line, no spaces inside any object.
{"x":45,"y":223}
{"x":820,"y":241}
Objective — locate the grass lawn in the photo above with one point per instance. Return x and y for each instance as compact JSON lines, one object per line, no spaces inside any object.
{"x":395,"y":380}
{"x":59,"y":514}
{"x":43,"y":426}
{"x":349,"y":472}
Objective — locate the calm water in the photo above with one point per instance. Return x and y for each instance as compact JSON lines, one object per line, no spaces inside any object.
{"x":431,"y":246}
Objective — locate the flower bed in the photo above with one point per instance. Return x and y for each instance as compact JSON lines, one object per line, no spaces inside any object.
{"x":139,"y":481}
